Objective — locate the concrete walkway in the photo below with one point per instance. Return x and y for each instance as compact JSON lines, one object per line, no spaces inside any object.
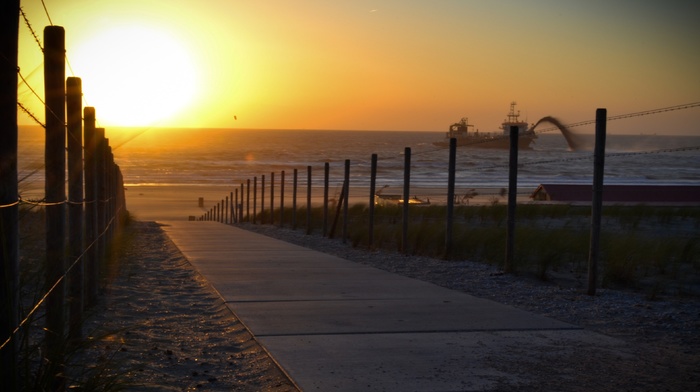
{"x":335,"y":325}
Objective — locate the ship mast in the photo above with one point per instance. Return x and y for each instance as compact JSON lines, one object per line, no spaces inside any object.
{"x":512,"y":116}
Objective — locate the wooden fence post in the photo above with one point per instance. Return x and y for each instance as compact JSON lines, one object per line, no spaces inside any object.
{"x":326,"y":175}
{"x":512,"y":199}
{"x":346,"y":189}
{"x":241,"y":219}
{"x":226,"y":211}
{"x":255,"y":200}
{"x":74,"y":112}
{"x":91,"y":211}
{"x":100,"y":195}
{"x":9,"y":195}
{"x":451,"y":169}
{"x":247,"y":201}
{"x":272,"y":198}
{"x":406,"y":197}
{"x":294,"y":198}
{"x":282,"y":198}
{"x":109,"y":192}
{"x":597,"y":201}
{"x":121,"y":196}
{"x":262,"y":199}
{"x":308,"y":200}
{"x":372,"y":191}
{"x":235,"y":208}
{"x":55,"y":93}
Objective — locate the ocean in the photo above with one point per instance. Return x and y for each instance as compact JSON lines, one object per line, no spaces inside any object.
{"x":228,"y":157}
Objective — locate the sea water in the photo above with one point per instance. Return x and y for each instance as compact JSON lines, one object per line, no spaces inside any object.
{"x":229,"y":157}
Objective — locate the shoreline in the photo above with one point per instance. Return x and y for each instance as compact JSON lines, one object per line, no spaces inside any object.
{"x":179,"y":202}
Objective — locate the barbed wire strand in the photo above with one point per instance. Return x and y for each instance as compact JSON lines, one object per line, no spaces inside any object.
{"x":30,"y":114}
{"x":47,"y":12}
{"x":31,"y":29}
{"x":58,"y":281}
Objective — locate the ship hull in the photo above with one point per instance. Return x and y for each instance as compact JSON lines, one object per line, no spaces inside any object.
{"x":525,"y":141}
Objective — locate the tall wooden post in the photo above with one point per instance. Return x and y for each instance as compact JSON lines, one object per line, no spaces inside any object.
{"x":241,"y":219}
{"x":294,"y":198}
{"x":91,"y":257}
{"x":597,"y":201}
{"x":55,"y":162}
{"x":406,"y":198}
{"x":262,"y":199}
{"x":326,"y":175}
{"x":308,"y":200}
{"x":74,"y":113}
{"x":255,"y":200}
{"x":100,"y":196}
{"x":451,"y":169}
{"x":247,"y":201}
{"x":235,"y":208}
{"x":272,"y":198}
{"x":226,"y":211}
{"x":282,"y":198}
{"x":346,"y":192}
{"x":9,"y":196}
{"x":232,"y":211}
{"x":372,"y":192}
{"x":512,"y":199}
{"x":109,"y":191}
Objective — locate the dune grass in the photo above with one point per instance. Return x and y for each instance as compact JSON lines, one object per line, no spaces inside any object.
{"x":642,"y":246}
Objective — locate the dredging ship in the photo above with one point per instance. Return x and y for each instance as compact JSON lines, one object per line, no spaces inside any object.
{"x":460,"y":131}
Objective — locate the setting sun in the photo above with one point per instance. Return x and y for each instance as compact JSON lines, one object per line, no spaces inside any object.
{"x":135,"y":75}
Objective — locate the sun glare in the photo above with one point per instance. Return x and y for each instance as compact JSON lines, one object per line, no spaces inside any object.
{"x":135,"y":76}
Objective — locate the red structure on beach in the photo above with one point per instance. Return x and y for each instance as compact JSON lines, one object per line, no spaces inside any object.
{"x":634,"y":194}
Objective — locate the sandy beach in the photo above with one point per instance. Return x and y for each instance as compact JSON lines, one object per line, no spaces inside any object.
{"x":179,"y":202}
{"x":161,"y":327}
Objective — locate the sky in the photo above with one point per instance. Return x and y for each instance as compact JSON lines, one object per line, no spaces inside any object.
{"x":402,"y":65}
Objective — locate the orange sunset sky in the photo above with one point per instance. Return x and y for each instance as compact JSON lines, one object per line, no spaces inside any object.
{"x":373,"y":65}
